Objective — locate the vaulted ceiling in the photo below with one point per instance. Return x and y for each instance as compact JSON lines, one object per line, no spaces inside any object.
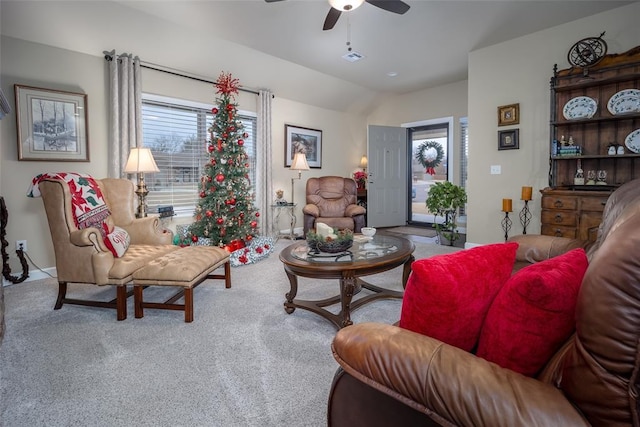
{"x":281,"y":45}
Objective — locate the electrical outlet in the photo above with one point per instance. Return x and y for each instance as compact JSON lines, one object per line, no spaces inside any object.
{"x":21,"y":244}
{"x":496,"y":170}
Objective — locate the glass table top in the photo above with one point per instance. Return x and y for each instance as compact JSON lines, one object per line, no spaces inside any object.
{"x":363,"y":248}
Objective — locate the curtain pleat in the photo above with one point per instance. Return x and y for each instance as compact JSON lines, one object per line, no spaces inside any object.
{"x":125,"y":98}
{"x":264,"y":169}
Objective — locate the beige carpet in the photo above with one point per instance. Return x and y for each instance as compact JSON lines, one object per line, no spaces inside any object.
{"x":415,"y":231}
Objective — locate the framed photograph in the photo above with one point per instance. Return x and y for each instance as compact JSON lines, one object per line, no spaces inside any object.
{"x":303,"y":140}
{"x":51,"y":125}
{"x":509,"y":115}
{"x":508,"y":139}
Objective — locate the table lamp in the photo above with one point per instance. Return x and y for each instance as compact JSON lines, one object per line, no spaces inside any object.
{"x":141,"y":161}
{"x":363,"y":163}
{"x":299,"y":164}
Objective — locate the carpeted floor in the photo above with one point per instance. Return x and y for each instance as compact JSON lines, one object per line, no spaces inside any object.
{"x":242,"y":362}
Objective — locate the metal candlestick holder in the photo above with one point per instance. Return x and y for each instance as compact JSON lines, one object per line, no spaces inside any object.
{"x":525,"y":217}
{"x":506,"y":225}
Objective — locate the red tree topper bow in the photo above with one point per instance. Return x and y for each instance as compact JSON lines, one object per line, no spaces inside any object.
{"x":227,"y":84}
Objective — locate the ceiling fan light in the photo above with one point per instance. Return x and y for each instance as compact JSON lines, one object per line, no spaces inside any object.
{"x":345,"y":5}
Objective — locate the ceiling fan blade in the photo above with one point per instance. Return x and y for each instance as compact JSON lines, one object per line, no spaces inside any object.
{"x":331,"y":19}
{"x":395,"y":6}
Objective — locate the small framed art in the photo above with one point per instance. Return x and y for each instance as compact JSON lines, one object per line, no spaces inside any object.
{"x":508,"y":139}
{"x":509,"y":115}
{"x":51,"y":125}
{"x":303,"y":140}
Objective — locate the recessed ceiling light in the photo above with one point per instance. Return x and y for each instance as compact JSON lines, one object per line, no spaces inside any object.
{"x":392,"y":73}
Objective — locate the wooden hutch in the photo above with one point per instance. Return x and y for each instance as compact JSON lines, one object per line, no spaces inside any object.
{"x":571,"y":208}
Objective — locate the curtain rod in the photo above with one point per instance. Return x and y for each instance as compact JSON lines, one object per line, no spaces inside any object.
{"x":178,"y":73}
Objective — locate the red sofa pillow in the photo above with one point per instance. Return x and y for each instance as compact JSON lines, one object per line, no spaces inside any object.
{"x":447,"y":296}
{"x":533,"y":314}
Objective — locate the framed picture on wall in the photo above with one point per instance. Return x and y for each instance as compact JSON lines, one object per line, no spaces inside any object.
{"x":508,"y":139}
{"x":509,"y":115}
{"x":51,"y":125}
{"x":303,"y":140}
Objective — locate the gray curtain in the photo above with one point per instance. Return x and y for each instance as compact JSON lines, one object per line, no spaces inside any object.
{"x":264,"y":190}
{"x":125,"y":99}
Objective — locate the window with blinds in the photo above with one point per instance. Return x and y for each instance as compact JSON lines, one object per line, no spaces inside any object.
{"x":176,"y":132}
{"x":464,"y":155}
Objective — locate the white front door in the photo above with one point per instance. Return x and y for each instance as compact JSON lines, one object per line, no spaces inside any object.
{"x":387,"y":185}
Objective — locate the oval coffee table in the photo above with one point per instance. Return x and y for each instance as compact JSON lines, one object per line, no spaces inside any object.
{"x":364,"y":258}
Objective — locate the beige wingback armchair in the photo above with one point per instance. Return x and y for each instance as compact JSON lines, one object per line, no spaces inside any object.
{"x":333,"y":201}
{"x":81,"y":254}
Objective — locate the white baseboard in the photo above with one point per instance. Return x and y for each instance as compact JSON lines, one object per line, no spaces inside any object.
{"x":468,"y":245}
{"x":33,"y":276}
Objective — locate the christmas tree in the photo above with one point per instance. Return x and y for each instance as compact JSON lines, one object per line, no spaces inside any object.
{"x":225,"y":215}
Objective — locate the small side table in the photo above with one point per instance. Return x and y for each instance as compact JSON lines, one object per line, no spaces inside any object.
{"x":276,"y":211}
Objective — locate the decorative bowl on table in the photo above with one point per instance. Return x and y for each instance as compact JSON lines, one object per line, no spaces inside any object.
{"x":368,"y":231}
{"x":342,"y":241}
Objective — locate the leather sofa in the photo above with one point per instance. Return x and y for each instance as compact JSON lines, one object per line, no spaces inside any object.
{"x":333,"y":200}
{"x":392,"y":376}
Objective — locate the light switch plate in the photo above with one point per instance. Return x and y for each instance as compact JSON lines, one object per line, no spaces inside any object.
{"x":496,"y":169}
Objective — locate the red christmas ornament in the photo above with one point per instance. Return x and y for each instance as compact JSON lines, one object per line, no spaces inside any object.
{"x":229,"y":107}
{"x":209,"y":213}
{"x":245,"y":135}
{"x":203,"y":194}
{"x":257,"y":214}
{"x":220,"y":177}
{"x":241,"y":215}
{"x":209,"y":178}
{"x":214,"y":110}
{"x":241,"y":142}
{"x":249,"y":237}
{"x":210,"y":148}
{"x":254,"y":224}
{"x":225,"y":135}
{"x":213,"y":162}
{"x":246,"y":165}
{"x":231,"y":128}
{"x":232,"y":201}
{"x":220,"y":221}
{"x":194,"y":239}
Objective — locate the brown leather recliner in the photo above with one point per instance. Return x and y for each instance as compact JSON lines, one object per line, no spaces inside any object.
{"x":81,"y":254}
{"x":333,"y":200}
{"x":392,"y":376}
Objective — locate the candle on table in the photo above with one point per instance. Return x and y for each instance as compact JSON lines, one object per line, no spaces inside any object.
{"x":506,"y":205}
{"x":526,"y":193}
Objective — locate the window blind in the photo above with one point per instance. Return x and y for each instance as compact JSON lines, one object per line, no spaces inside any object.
{"x":177,"y":136}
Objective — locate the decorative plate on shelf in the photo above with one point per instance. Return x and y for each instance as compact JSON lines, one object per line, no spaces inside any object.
{"x":632,"y":141}
{"x":580,"y":107}
{"x":624,"y":102}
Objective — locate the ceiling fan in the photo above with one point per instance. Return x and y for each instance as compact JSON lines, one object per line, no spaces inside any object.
{"x":339,"y":6}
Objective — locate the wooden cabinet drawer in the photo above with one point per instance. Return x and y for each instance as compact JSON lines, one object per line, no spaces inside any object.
{"x":559,"y":231}
{"x":560,"y":202}
{"x":553,"y":218}
{"x":595,"y":204}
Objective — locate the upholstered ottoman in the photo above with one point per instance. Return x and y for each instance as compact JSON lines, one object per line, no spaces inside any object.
{"x":185,"y":268}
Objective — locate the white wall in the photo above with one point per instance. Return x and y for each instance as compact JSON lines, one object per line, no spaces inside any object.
{"x":518,"y":71}
{"x":47,"y":67}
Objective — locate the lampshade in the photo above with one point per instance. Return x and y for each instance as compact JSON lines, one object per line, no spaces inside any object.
{"x":141,"y":160}
{"x":300,"y":162}
{"x":363,"y":162}
{"x":345,"y":5}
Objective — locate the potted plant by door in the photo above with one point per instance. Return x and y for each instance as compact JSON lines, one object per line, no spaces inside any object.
{"x":444,"y":199}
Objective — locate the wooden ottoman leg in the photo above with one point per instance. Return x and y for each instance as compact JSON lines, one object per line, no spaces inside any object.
{"x":227,"y":274}
{"x":188,"y":305}
{"x":137,"y":301}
